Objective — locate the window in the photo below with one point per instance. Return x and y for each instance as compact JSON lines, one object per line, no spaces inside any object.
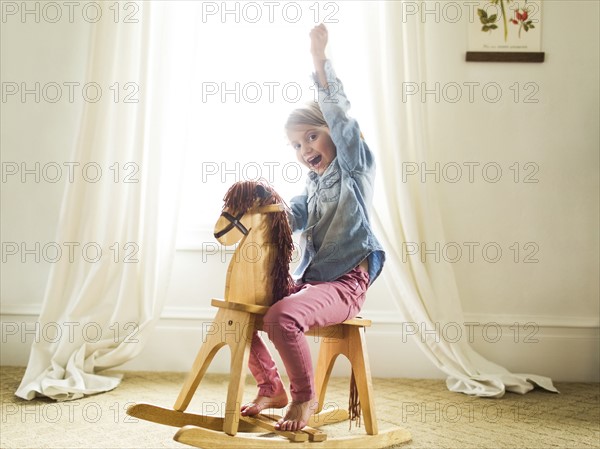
{"x":247,"y":79}
{"x":236,"y":108}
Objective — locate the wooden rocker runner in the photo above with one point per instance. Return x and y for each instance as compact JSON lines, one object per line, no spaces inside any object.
{"x":254,"y":216}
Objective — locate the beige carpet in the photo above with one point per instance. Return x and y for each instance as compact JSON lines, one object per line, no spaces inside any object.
{"x":436,"y":417}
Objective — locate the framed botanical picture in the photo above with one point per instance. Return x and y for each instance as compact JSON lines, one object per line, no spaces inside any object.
{"x":505,"y":31}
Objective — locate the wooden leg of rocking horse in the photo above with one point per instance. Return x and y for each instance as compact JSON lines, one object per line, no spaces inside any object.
{"x":229,"y":327}
{"x":332,"y":345}
{"x":350,"y":341}
{"x":240,"y":351}
{"x":328,"y":351}
{"x":212,"y":343}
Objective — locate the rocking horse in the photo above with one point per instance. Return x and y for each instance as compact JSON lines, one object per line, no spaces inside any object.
{"x":258,"y":275}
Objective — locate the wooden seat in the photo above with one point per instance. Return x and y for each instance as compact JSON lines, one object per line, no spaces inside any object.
{"x":234,"y":326}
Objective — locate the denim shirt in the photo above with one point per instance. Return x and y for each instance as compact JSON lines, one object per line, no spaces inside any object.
{"x":333,"y":210}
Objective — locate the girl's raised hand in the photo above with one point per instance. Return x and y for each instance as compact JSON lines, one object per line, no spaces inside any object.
{"x":318,"y":41}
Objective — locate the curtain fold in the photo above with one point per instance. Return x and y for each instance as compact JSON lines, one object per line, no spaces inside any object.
{"x":425,"y":293}
{"x":103,"y":303}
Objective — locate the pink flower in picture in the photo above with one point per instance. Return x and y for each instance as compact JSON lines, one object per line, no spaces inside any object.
{"x":521,"y":16}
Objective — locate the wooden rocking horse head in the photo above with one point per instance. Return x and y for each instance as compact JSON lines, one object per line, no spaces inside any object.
{"x":255,"y":216}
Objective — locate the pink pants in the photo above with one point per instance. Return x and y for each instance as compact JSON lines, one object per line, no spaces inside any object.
{"x":312,"y":304}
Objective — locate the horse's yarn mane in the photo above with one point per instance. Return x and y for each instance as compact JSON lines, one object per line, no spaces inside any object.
{"x":244,"y":195}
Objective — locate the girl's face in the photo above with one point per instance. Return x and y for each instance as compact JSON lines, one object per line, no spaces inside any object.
{"x":313,"y":146}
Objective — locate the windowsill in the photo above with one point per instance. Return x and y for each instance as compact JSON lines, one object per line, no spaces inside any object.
{"x":197,"y":238}
{"x":200,"y":238}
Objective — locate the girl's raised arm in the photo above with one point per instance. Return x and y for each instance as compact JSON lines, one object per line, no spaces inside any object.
{"x":318,"y":42}
{"x":352,"y":152}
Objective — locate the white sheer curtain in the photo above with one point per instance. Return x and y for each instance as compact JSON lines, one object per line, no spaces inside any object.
{"x":98,"y":311}
{"x":425,"y":293}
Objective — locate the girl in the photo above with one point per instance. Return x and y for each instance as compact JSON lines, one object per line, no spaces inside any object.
{"x":340,"y":255}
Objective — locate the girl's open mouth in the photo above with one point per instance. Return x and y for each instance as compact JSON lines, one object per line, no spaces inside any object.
{"x":313,"y":162}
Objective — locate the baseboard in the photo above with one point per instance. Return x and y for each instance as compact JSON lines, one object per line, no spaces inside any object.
{"x":565,"y":349}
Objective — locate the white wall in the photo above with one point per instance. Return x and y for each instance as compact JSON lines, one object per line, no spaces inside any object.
{"x":559,"y":213}
{"x":559,"y":134}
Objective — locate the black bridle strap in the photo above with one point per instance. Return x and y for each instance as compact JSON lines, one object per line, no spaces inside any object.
{"x":233,"y":222}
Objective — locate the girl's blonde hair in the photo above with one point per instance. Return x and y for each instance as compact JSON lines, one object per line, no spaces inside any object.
{"x":309,"y":114}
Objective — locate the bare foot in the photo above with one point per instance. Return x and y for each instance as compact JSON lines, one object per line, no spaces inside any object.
{"x":262,"y":402}
{"x":297,"y":415}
